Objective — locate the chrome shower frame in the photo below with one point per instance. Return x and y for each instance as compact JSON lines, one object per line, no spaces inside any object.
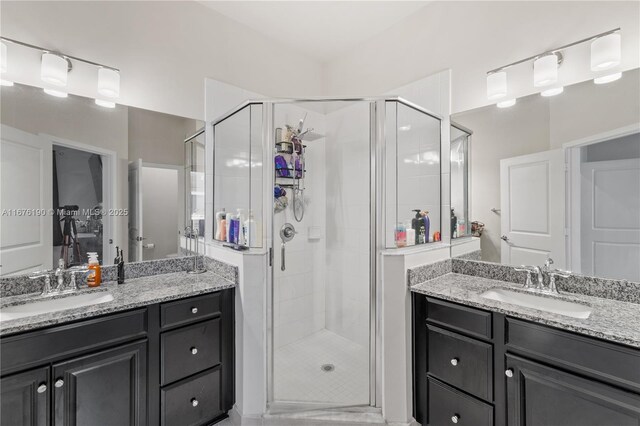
{"x":377,"y":123}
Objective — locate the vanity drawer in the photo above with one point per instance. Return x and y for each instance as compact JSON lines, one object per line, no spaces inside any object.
{"x":35,"y":348}
{"x":461,"y":361}
{"x":190,"y":349}
{"x":194,"y":401}
{"x":469,"y":320}
{"x":190,"y":310}
{"x":447,"y":404}
{"x":609,"y":362}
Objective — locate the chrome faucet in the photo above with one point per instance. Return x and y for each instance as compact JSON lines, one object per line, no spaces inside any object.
{"x":540,"y":272}
{"x":60,"y":275}
{"x":46,"y":290}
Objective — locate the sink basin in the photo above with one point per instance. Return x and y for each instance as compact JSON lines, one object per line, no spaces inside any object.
{"x":52,"y":305}
{"x":549,"y":304}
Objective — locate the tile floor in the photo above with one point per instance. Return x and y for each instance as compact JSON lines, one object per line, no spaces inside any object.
{"x":298,"y":376}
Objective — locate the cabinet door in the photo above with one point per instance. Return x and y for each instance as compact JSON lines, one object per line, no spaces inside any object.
{"x":542,"y":396}
{"x":25,"y":398}
{"x":103,"y":388}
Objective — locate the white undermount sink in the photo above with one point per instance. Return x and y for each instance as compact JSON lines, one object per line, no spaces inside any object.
{"x":543,"y":303}
{"x":51,"y":305}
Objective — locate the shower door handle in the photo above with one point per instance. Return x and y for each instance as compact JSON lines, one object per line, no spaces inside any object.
{"x":282,"y":265}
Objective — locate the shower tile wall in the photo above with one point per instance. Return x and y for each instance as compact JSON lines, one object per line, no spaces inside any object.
{"x":299,"y":291}
{"x":348,"y":219}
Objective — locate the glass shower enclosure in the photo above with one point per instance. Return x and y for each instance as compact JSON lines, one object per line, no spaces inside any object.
{"x":322,"y":187}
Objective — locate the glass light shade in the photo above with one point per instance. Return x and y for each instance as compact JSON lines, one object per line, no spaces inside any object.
{"x":607,"y":78}
{"x":54,"y":69}
{"x":496,"y":85}
{"x":545,"y":70}
{"x":3,"y":57}
{"x":105,"y":104}
{"x":552,"y":92}
{"x":506,"y":104}
{"x":56,"y":93}
{"x":4,"y":82}
{"x":605,"y":52}
{"x":108,"y":82}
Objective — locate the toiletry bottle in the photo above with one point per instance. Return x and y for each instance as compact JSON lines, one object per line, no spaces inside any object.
{"x":411,"y":233}
{"x":228,"y":227}
{"x":427,"y":225}
{"x":454,"y":225}
{"x":251,"y":231}
{"x":219,"y":217}
{"x":120,"y":267}
{"x":94,"y":278}
{"x":417,"y":224}
{"x":223,"y":228}
{"x":241,"y":232}
{"x":401,"y":235}
{"x":236,"y":229}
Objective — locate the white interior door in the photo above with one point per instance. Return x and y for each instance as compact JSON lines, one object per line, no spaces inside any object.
{"x":26,"y":202}
{"x":532,"y":209}
{"x":135,"y":211}
{"x":610,"y":226}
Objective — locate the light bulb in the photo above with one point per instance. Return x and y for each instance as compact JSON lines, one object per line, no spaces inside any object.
{"x":496,"y":85}
{"x":54,"y":69}
{"x":552,"y":92}
{"x":605,"y":52}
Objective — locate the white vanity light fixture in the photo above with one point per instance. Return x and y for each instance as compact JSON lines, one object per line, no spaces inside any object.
{"x":105,"y":104}
{"x":552,"y":92}
{"x":496,"y":85}
{"x":545,"y":70}
{"x":607,"y":78}
{"x":54,"y":69}
{"x":506,"y":104}
{"x":606,"y":52}
{"x":108,"y":82}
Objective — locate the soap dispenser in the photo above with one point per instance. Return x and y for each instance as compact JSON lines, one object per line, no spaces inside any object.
{"x":418,"y":226}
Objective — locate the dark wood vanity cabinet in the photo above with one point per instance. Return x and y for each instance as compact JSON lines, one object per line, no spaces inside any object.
{"x":474,"y":367}
{"x":169,"y":363}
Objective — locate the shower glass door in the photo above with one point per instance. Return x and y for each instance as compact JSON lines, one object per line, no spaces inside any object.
{"x":322,"y":280}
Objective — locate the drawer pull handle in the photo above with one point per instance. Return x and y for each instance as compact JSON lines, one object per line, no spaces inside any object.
{"x":194,"y":350}
{"x":454,"y":361}
{"x":455,"y":418}
{"x":194,"y":402}
{"x":194,"y":310}
{"x":59,"y":383}
{"x":42,"y":388}
{"x":509,"y":373}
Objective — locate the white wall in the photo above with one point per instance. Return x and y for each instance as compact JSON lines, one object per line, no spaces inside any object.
{"x":164,"y":50}
{"x":472,"y":38}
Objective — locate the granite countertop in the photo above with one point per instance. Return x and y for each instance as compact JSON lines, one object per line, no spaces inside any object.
{"x":133,"y":293}
{"x":611,"y":320}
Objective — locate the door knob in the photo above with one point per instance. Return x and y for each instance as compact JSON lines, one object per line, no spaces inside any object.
{"x":505,"y":238}
{"x":454,"y":361}
{"x":455,"y":418}
{"x":42,"y":388}
{"x":59,"y":383}
{"x":509,"y":372}
{"x":194,"y":402}
{"x":194,"y":350}
{"x":194,"y":310}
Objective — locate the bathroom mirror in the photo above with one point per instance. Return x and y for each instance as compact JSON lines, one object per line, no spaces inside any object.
{"x":558,"y":176}
{"x":77,"y":177}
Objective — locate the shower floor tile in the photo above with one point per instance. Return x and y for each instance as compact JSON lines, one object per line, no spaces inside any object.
{"x":298,"y":375}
